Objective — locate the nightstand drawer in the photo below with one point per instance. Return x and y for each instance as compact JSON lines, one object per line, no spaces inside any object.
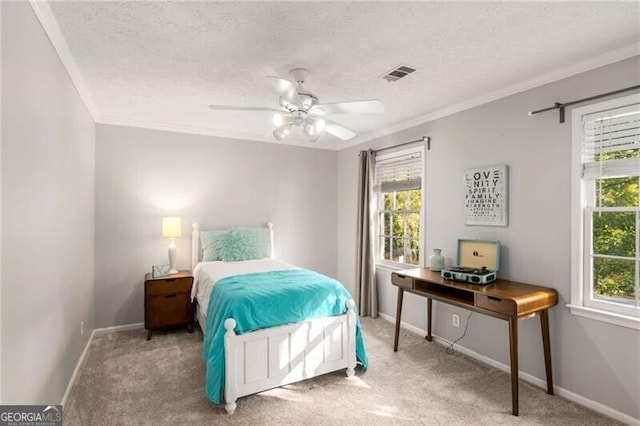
{"x":167,"y":310}
{"x":495,"y":304}
{"x":162,"y":286}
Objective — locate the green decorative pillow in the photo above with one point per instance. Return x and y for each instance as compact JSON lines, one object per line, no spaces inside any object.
{"x":209,"y":243}
{"x":244,"y":243}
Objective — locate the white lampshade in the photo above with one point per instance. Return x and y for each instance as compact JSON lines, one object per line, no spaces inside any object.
{"x":171,"y":227}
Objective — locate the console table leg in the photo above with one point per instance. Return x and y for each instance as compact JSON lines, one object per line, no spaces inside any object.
{"x":513,"y":349}
{"x":544,"y":322}
{"x":429,"y":304}
{"x":398,"y":317}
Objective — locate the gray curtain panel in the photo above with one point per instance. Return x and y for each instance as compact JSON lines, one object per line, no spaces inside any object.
{"x":366,"y":291}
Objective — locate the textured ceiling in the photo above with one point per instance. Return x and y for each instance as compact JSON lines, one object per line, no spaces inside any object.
{"x":155,"y":64}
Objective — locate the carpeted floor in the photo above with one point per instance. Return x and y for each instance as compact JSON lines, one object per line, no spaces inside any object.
{"x":128,"y":380}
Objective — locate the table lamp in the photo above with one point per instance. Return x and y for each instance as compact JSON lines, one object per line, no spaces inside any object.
{"x":172,"y":229}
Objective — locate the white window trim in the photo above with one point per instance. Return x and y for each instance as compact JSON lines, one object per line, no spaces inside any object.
{"x":579,"y":306}
{"x":388,"y":264}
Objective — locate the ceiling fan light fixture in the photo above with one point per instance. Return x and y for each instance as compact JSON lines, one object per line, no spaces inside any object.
{"x":277,"y":119}
{"x":299,"y":107}
{"x":310,"y":130}
{"x":319,"y":125}
{"x":310,"y":134}
{"x":282,"y":132}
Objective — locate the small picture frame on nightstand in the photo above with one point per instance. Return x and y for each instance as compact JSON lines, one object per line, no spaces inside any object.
{"x":160,"y":270}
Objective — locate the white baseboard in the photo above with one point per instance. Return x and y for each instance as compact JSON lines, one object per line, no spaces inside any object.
{"x":126,"y":327}
{"x":95,"y":332}
{"x":571,"y":396}
{"x":72,"y":380}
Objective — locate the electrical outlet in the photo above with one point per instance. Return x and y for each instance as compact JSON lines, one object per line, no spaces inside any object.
{"x":456,"y":320}
{"x":81,"y":328}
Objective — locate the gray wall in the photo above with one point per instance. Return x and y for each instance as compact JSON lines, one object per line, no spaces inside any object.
{"x":48,"y":142}
{"x":596,"y":360}
{"x":142,"y":175}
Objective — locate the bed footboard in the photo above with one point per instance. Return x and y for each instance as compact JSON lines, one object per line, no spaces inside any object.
{"x":278,"y":356}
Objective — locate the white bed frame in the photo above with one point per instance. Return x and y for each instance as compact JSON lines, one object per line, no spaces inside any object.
{"x":277,"y":356}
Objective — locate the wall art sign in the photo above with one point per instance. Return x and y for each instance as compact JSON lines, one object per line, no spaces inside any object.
{"x":486,"y":198}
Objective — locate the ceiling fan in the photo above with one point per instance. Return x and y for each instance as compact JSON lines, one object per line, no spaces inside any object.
{"x":298,"y":107}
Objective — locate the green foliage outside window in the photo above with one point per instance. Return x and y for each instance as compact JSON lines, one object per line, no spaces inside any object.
{"x":400,"y":223}
{"x":615,"y":234}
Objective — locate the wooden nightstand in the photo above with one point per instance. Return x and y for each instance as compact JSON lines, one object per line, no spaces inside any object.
{"x":167,"y":302}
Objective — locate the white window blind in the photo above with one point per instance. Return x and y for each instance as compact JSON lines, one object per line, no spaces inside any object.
{"x":611,"y":143}
{"x":399,"y":173}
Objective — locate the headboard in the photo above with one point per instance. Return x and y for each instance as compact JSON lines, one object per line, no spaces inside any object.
{"x":196,"y":252}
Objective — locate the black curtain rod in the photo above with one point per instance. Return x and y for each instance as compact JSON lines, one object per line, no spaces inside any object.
{"x":562,"y":106}
{"x":426,"y":139}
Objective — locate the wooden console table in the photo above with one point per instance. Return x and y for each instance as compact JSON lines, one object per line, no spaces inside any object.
{"x":502,"y":299}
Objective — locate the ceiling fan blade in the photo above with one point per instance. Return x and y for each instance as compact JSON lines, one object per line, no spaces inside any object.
{"x":355,"y":107}
{"x":285,"y":89}
{"x":241,"y":108}
{"x":338,"y":130}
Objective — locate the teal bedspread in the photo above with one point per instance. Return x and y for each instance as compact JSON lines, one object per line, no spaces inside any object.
{"x":268,"y":299}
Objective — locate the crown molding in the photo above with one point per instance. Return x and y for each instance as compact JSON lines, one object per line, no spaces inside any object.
{"x":578,"y":68}
{"x":51,"y":28}
{"x":205,"y":131}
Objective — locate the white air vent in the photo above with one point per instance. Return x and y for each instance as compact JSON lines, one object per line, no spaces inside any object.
{"x":398,"y":73}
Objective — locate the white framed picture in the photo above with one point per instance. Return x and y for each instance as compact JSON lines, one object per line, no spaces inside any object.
{"x":486,"y":196}
{"x":160,"y":270}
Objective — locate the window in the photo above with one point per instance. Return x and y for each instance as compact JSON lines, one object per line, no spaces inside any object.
{"x":398,"y":189}
{"x":606,"y":211}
